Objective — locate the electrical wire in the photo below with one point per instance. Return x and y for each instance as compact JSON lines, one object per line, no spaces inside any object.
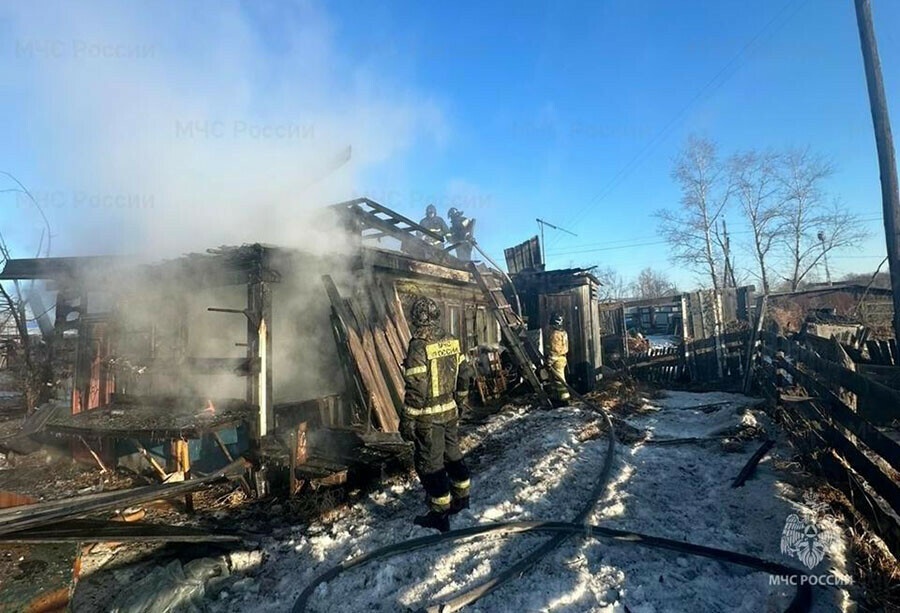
{"x":642,"y":242}
{"x":721,"y":76}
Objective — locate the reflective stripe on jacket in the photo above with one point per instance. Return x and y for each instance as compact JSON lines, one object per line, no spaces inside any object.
{"x":432,"y":374}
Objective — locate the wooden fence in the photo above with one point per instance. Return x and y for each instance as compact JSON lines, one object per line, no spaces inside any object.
{"x":717,"y":358}
{"x":714,"y":334}
{"x":658,"y":364}
{"x":849,"y":448}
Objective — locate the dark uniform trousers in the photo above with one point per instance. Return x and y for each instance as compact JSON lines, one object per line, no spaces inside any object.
{"x":436,"y":375}
{"x":439,"y":462}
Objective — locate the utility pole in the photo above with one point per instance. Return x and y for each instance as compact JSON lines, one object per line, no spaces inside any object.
{"x":728,"y":274}
{"x":887,"y":164}
{"x":821,"y":237}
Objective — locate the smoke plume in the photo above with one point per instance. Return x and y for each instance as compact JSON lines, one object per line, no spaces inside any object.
{"x":161,"y":128}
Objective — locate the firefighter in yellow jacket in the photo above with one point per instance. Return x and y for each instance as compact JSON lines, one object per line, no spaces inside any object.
{"x":437,"y":377}
{"x":557,"y":350}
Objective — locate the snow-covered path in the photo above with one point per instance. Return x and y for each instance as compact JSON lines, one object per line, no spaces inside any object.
{"x":542,"y":465}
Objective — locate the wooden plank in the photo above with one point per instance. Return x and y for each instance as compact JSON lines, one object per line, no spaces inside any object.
{"x":391,"y":384}
{"x":835,"y":409}
{"x":41,"y":514}
{"x":880,"y":522}
{"x":886,"y":375}
{"x":395,"y":310}
{"x":95,"y":531}
{"x":386,"y":322}
{"x":376,"y":384}
{"x":875,"y":352}
{"x":886,"y":399}
{"x":352,"y":376}
{"x":809,"y":441}
{"x":160,"y":471}
{"x":245,"y":485}
{"x":435,"y":253}
{"x":363,"y":357}
{"x":881,"y":483}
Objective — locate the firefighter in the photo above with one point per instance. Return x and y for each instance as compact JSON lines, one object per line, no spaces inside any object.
{"x":557,"y":349}
{"x":437,"y":378}
{"x":462,"y":231}
{"x":432,"y":221}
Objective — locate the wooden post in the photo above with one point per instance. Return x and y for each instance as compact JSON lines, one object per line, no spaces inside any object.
{"x":884,"y":141}
{"x":183,"y":456}
{"x":719,"y":327}
{"x":259,"y":348}
{"x":841,"y":357}
{"x":685,"y":343}
{"x":761,"y":304}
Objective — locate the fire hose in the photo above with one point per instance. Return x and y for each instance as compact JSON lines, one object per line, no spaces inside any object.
{"x":561,"y":531}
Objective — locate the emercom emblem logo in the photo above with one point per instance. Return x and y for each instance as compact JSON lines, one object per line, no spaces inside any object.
{"x":806,"y":535}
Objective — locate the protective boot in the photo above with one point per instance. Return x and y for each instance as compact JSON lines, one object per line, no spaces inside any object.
{"x":433,"y":519}
{"x":458,"y":504}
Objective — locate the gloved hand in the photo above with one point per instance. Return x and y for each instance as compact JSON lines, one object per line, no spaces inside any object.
{"x":407,"y":429}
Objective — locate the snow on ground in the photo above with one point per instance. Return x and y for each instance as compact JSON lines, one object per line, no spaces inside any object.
{"x":533,"y":465}
{"x":660,"y":341}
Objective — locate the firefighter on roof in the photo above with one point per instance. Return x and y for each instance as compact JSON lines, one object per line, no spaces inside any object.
{"x":434,"y":222}
{"x":437,"y":377}
{"x":462,"y":230}
{"x":557,"y":349}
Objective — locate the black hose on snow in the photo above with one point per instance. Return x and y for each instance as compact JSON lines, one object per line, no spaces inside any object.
{"x":562,"y":531}
{"x":799,"y":604}
{"x":469,"y":596}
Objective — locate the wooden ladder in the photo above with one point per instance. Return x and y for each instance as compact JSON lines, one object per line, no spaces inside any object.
{"x":514,"y":333}
{"x":375,"y":221}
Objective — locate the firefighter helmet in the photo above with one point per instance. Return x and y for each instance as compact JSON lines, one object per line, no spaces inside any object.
{"x":453,"y":212}
{"x":424,"y":311}
{"x":556,"y":320}
{"x":430,"y":210}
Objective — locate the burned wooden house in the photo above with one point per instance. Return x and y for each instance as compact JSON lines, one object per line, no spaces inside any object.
{"x":193,"y":361}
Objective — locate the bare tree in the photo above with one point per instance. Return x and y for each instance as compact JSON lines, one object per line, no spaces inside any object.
{"x":613,"y":285}
{"x":705,"y":191}
{"x":13,"y":308}
{"x":34,"y":370}
{"x":757,"y":189}
{"x":653,"y":284}
{"x":812,"y":229}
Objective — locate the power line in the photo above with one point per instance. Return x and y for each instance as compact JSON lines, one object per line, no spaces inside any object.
{"x":638,"y":242}
{"x":660,"y":136}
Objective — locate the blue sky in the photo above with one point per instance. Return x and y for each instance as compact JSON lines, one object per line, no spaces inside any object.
{"x":568,"y":111}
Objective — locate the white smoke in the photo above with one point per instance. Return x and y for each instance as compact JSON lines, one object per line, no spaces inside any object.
{"x":167,"y":127}
{"x":160,"y":128}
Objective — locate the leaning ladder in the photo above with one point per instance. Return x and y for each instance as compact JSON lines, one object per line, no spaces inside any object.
{"x":512,"y":328}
